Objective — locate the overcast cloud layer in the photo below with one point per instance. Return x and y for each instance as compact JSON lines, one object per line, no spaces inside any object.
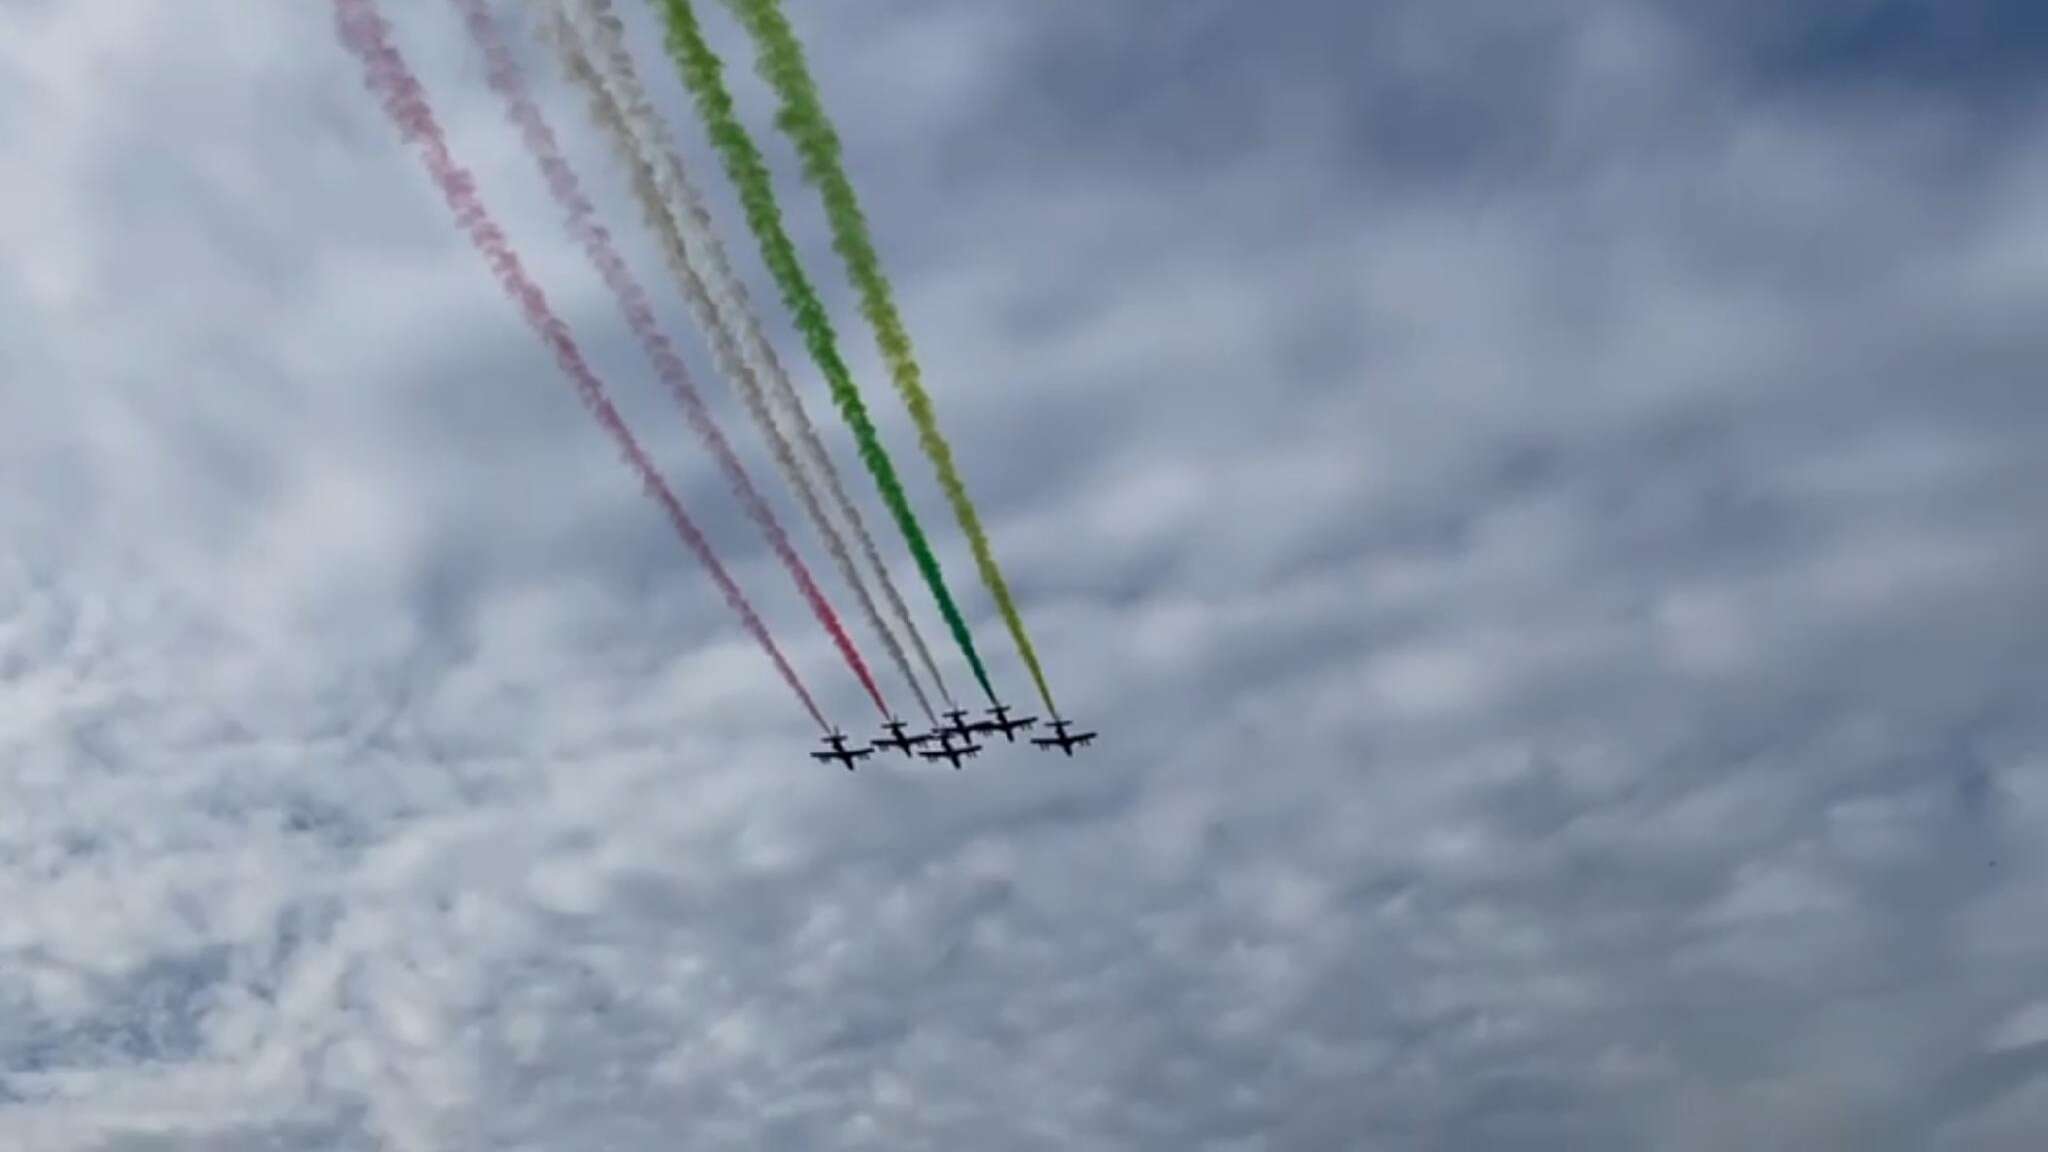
{"x":1543,"y":500}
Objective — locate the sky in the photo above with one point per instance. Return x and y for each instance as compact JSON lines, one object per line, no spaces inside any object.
{"x":1542,"y":501}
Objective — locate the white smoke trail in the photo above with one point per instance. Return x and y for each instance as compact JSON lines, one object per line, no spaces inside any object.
{"x":612,"y":114}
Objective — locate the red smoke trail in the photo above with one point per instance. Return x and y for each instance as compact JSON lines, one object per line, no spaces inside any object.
{"x":503,"y":74}
{"x":366,"y":34}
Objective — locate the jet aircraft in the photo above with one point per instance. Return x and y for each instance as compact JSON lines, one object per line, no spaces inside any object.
{"x":1002,"y":723}
{"x":1065,"y":741}
{"x":952,"y":752}
{"x":956,"y":724}
{"x":898,"y":740}
{"x":841,"y":752}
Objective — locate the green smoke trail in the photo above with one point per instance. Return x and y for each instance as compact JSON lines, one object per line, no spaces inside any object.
{"x":704,"y":76}
{"x":780,"y":61}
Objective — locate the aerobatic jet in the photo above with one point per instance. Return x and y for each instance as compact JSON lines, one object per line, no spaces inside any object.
{"x":956,"y":724}
{"x":898,"y":740}
{"x":1002,"y":723}
{"x":841,"y":752}
{"x":952,"y":752}
{"x":1065,"y":741}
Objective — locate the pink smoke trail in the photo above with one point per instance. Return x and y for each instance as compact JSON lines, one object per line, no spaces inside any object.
{"x":367,"y":35}
{"x":502,"y":72}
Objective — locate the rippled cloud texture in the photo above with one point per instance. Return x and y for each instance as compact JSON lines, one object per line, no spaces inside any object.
{"x":1544,"y":501}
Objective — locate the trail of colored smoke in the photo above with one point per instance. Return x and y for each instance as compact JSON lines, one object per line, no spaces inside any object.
{"x":780,"y":61}
{"x":502,"y":73}
{"x":649,"y":190}
{"x":658,"y":145}
{"x":703,"y":75}
{"x":365,"y":33}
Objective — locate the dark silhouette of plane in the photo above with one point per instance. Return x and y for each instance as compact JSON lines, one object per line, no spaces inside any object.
{"x":1002,"y":723}
{"x":950,"y":751}
{"x":1064,"y":740}
{"x":841,"y":752}
{"x":898,"y":740}
{"x":956,"y":724}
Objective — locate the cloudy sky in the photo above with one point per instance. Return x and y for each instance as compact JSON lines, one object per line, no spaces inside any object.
{"x":1544,"y":502}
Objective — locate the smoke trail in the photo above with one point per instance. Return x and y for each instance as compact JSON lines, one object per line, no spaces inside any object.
{"x":732,"y":296}
{"x":731,"y":293}
{"x":365,"y":33}
{"x":561,"y":35}
{"x":780,"y":61}
{"x":502,"y":72}
{"x":703,"y":75}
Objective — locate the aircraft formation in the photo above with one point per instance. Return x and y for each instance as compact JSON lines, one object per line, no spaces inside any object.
{"x":589,"y":44}
{"x":955,"y":738}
